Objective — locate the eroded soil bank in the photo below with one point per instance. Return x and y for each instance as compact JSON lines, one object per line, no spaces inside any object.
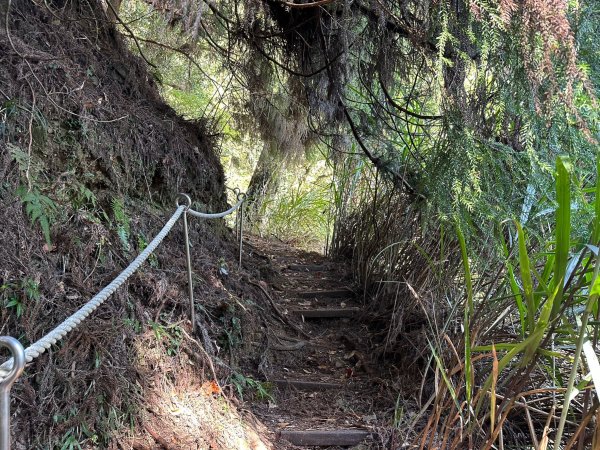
{"x":91,"y":160}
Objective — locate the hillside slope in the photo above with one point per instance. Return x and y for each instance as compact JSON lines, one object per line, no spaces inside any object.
{"x":91,"y":160}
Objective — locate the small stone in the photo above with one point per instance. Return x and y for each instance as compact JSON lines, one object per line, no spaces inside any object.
{"x":370,"y":418}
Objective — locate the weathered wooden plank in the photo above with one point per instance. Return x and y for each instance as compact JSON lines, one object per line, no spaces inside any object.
{"x":325,"y":437}
{"x":303,"y":385}
{"x":308,"y":268}
{"x":326,"y":313}
{"x":333,"y":293}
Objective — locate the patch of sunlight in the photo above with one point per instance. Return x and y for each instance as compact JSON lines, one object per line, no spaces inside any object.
{"x":181,"y":408}
{"x":221,"y":422}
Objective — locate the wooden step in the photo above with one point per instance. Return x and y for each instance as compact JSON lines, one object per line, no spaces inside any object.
{"x":333,"y":293}
{"x":325,"y":437}
{"x":308,"y":268}
{"x":326,"y":313}
{"x":303,"y":385}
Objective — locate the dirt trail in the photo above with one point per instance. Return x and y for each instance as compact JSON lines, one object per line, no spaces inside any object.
{"x":327,"y":389}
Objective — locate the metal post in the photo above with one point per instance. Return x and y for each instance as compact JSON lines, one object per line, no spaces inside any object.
{"x":189,"y":271}
{"x":18,"y":354}
{"x":188,"y":260}
{"x":236,"y":191}
{"x":241,"y":213}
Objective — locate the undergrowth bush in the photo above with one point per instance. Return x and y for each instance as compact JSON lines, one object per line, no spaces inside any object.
{"x":506,"y":313}
{"x":297,"y":212}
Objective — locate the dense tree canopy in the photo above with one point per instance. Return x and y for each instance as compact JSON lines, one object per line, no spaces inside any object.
{"x":428,"y":92}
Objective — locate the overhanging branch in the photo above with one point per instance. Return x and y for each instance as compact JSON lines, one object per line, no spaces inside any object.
{"x":375,"y":160}
{"x":401,"y":108}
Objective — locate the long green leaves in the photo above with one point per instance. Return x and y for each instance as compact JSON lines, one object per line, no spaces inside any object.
{"x":596,"y":225}
{"x":514,"y":287}
{"x":594,"y":293}
{"x":563,"y":228}
{"x":592,"y":299}
{"x":468,"y":315}
{"x":540,"y":297}
{"x":526,"y":278}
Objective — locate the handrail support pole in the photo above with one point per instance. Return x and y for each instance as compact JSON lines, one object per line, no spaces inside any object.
{"x":237,"y":225}
{"x":18,"y":358}
{"x":188,"y":260}
{"x":241,"y":212}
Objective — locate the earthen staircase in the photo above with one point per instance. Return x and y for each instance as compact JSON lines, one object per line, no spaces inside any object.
{"x":325,"y":388}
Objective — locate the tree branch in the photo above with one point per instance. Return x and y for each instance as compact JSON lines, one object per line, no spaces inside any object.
{"x":401,"y":108}
{"x":305,"y":5}
{"x":137,"y":44}
{"x":377,"y":161}
{"x":295,"y":72}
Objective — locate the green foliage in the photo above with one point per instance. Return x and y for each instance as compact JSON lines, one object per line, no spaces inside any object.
{"x":75,"y":438}
{"x":472,"y":126}
{"x":122,"y":222}
{"x":563,"y":229}
{"x":81,"y":196}
{"x":468,"y":315}
{"x":526,"y":280}
{"x":231,"y":336}
{"x":19,"y":156}
{"x":15,"y":295}
{"x":298,"y":216}
{"x":142,"y":243}
{"x":31,"y":289}
{"x":17,"y":304}
{"x":170,"y":335}
{"x":8,"y":110}
{"x":398,"y":414}
{"x":40,"y":209}
{"x":70,"y":442}
{"x":194,"y":85}
{"x":134,"y":324}
{"x":554,"y":280}
{"x":261,"y":390}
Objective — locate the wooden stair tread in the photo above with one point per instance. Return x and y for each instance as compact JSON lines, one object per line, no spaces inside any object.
{"x":326,"y":437}
{"x":329,"y":293}
{"x":308,"y":268}
{"x":326,"y":313}
{"x":304,"y":385}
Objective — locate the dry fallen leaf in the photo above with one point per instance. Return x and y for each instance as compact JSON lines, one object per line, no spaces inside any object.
{"x":210,"y":387}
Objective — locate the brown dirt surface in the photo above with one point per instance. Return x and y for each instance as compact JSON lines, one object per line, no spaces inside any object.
{"x":320,"y":350}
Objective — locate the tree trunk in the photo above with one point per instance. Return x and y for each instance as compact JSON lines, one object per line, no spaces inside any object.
{"x":264,"y":182}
